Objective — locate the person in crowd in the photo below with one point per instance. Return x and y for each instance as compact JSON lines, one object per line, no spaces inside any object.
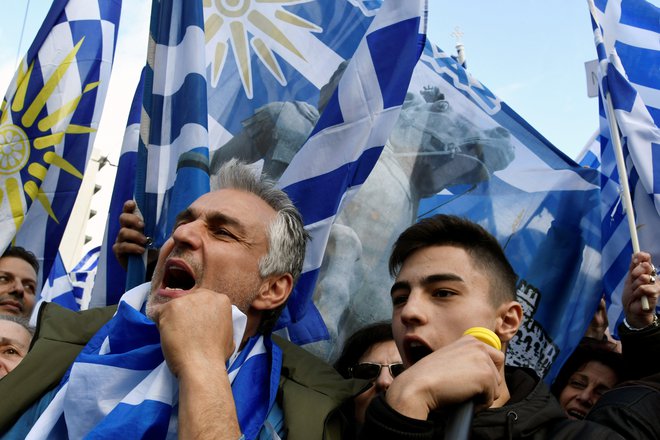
{"x":370,"y":354}
{"x":631,"y":408}
{"x":195,"y":345}
{"x":640,"y":331}
{"x":15,"y":338}
{"x":591,"y":370}
{"x":18,"y":281}
{"x":451,"y":275}
{"x":595,"y":367}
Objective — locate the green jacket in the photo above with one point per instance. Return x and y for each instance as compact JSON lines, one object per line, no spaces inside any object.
{"x":311,"y":392}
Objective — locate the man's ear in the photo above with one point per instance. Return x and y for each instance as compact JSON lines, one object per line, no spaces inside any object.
{"x":509,"y":318}
{"x":273,"y":292}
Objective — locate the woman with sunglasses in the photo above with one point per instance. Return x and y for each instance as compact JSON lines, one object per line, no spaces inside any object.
{"x":369,"y":354}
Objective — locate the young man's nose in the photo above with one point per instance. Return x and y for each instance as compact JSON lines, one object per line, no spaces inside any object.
{"x":413,"y":311}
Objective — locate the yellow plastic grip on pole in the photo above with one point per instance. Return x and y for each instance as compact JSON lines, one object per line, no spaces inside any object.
{"x":485,"y":335}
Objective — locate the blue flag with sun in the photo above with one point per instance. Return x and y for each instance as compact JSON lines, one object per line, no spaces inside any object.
{"x":48,"y":122}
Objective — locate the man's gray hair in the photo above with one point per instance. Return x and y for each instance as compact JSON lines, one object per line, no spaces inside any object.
{"x":20,"y":320}
{"x":286,"y":234}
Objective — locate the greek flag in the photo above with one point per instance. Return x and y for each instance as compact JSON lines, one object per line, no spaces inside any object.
{"x":627,"y":37}
{"x":173,"y":154}
{"x":71,"y":289}
{"x":120,"y":383}
{"x":347,"y":141}
{"x":48,"y":122}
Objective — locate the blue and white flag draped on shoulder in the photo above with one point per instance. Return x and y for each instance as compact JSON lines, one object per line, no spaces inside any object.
{"x":627,"y":37}
{"x":120,"y":383}
{"x":48,"y":122}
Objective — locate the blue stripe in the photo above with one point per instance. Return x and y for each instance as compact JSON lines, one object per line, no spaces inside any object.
{"x":601,"y":4}
{"x":316,"y":198}
{"x":171,"y":19}
{"x":149,"y":419}
{"x":640,"y":14}
{"x":622,"y":93}
{"x":331,"y":116}
{"x":655,"y":159}
{"x":55,"y":14}
{"x":394,"y":72}
{"x":639,"y":56}
{"x":193,"y":90}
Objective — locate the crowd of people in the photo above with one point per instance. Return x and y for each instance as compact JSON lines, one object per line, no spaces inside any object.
{"x":192,"y":353}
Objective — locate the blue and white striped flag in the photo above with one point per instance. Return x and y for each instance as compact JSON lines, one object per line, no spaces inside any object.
{"x":347,"y":141}
{"x":173,"y":157}
{"x":471,"y":155}
{"x":120,"y":384}
{"x":48,"y":122}
{"x":627,"y":37}
{"x":71,"y":289}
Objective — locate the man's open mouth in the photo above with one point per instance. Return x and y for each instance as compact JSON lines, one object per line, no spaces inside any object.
{"x":178,"y":277}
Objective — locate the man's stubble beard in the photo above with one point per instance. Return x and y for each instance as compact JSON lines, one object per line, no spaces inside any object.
{"x":230,"y":288}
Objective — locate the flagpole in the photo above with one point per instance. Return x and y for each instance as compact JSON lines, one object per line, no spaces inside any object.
{"x":623,"y":178}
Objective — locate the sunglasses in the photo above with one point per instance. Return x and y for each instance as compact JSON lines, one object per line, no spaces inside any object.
{"x":371,"y":371}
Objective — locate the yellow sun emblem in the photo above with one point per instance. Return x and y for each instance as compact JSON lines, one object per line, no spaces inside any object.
{"x":28,"y":139}
{"x":260,"y":24}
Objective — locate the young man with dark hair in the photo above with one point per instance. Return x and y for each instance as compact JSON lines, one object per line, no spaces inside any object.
{"x":18,"y":281}
{"x":452,"y":275}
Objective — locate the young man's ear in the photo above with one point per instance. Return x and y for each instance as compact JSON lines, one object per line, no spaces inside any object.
{"x":274,"y":292}
{"x":509,"y":318}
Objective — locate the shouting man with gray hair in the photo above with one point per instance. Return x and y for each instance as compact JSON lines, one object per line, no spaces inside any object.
{"x":191,"y":353}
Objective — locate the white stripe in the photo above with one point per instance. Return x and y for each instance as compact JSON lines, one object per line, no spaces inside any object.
{"x":650,"y":95}
{"x":167,"y":82}
{"x":322,"y":150}
{"x":359,"y":94}
{"x":82,"y":10}
{"x":161,"y":178}
{"x":44,"y":425}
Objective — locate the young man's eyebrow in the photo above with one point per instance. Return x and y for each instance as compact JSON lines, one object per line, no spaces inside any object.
{"x":405,"y":285}
{"x":441,"y":277}
{"x":427,"y":280}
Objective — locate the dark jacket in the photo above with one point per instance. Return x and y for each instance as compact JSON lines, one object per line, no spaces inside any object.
{"x":531,"y":413}
{"x":631,"y":409}
{"x":310,"y":391}
{"x":640,"y":350}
